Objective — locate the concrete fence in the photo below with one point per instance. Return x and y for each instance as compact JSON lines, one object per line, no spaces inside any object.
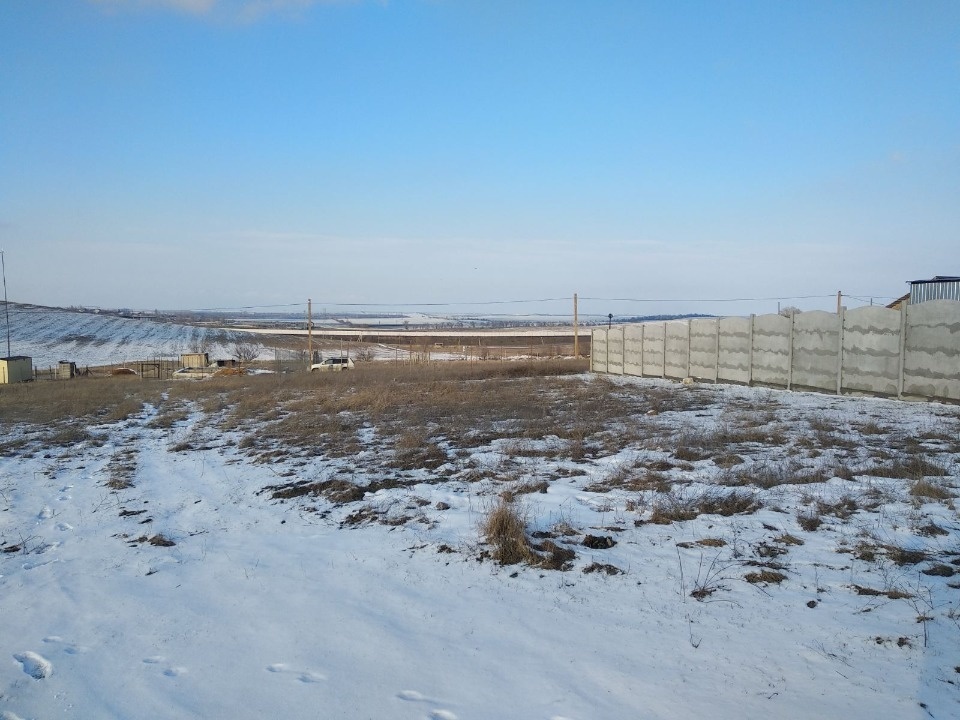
{"x":912,"y":352}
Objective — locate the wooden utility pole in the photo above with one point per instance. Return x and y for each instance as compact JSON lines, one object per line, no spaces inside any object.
{"x":576,"y":333}
{"x":309,"y":332}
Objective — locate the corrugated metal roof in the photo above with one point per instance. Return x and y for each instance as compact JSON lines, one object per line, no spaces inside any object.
{"x":941,"y":287}
{"x":938,"y":278}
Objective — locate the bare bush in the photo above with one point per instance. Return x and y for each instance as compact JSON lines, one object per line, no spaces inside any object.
{"x":246,"y":350}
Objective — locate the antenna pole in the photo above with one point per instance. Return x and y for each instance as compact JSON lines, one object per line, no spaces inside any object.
{"x":6,"y":305}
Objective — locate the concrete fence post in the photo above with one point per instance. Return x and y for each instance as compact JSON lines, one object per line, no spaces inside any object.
{"x":790,"y":352}
{"x":903,"y":348}
{"x":642,"y":341}
{"x":843,"y":315}
{"x":623,"y":350}
{"x":716,"y":359}
{"x":606,"y":334}
{"x":663,"y":364}
{"x":689,"y":345}
{"x":753,"y":318}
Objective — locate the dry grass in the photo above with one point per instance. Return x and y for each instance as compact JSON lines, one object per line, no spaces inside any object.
{"x":675,"y":507}
{"x":913,"y":468}
{"x":926,"y":489}
{"x":505,"y":530}
{"x":766,"y":576}
{"x":96,"y":400}
{"x":769,"y":475}
{"x":809,"y":520}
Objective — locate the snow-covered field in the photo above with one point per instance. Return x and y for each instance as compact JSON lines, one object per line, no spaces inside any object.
{"x":49,"y":335}
{"x":151,"y":576}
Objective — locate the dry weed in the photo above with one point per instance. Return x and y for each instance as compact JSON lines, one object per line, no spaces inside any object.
{"x":505,"y":530}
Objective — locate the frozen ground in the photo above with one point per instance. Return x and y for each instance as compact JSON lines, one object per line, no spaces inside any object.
{"x":139,"y":579}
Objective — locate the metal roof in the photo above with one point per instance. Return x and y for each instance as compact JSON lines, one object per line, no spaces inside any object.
{"x":937,"y":278}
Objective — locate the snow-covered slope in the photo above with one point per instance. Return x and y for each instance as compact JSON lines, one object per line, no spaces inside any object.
{"x":49,"y":335}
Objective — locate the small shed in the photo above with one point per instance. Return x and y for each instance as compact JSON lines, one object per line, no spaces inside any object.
{"x":66,"y":370}
{"x":16,"y":369}
{"x":195,"y":360}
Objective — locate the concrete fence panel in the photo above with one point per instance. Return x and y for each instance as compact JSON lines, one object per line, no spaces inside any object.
{"x":733,"y":363}
{"x":915,"y":352}
{"x":703,"y":348}
{"x":931,"y":358}
{"x":816,"y":350}
{"x":871,"y":350}
{"x":654,"y":335}
{"x":771,"y":350}
{"x":615,"y":351}
{"x":633,"y":350}
{"x":598,"y":350}
{"x":677,"y":349}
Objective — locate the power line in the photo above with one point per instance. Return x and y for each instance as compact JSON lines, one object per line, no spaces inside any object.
{"x":706,"y":300}
{"x":528,"y":301}
{"x":445,"y":304}
{"x":245,"y":307}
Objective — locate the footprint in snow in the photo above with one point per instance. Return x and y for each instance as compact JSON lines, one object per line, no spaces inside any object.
{"x":68,"y":647}
{"x":45,"y":513}
{"x":414,"y":696}
{"x":311,"y":677}
{"x":30,"y":565}
{"x":7,"y":715}
{"x":172,"y":671}
{"x":304,"y":676}
{"x":411,"y":696}
{"x":34,"y":665}
{"x":64,"y":527}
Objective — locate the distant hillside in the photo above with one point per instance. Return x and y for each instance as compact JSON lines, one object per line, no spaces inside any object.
{"x":49,"y":335}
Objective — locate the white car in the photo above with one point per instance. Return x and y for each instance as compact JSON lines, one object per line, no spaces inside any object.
{"x":339,"y":363}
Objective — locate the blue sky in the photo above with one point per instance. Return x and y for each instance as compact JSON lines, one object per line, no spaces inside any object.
{"x":228,"y":153}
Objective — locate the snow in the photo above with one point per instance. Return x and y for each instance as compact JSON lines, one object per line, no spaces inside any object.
{"x":49,"y":335}
{"x":266,"y":608}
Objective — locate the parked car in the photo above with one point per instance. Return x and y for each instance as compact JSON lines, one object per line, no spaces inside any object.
{"x":339,"y":363}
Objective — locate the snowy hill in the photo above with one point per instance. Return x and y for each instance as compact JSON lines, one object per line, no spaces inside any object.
{"x":49,"y":335}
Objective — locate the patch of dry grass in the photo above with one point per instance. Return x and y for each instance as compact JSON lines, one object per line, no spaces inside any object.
{"x":914,"y":468}
{"x":929,"y":490}
{"x":94,"y":399}
{"x":766,"y":576}
{"x":504,"y":529}
{"x":676,"y":507}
